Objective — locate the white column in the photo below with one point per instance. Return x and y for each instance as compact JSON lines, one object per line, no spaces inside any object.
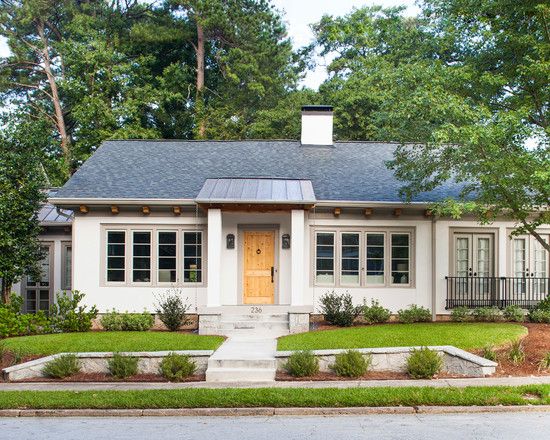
{"x":297,"y":243}
{"x":213,"y":291}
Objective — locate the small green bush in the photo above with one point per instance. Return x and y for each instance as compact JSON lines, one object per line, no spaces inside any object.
{"x":460,"y":314}
{"x":15,"y":323}
{"x":122,"y":367}
{"x":516,"y":353}
{"x":172,"y":309}
{"x":544,"y":363}
{"x":513,"y":313}
{"x":375,"y":313}
{"x":68,"y":315}
{"x":351,"y":364}
{"x":338,"y":309}
{"x":302,"y":364}
{"x":62,"y":366}
{"x":544,"y":304}
{"x":489,"y":353}
{"x":414,"y":313}
{"x":487,"y":314}
{"x":176,"y":367}
{"x":423,"y":363}
{"x":115,"y":321}
{"x":539,"y":316}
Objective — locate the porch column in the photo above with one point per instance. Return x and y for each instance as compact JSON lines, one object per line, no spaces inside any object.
{"x":214,"y":258}
{"x":297,"y":271}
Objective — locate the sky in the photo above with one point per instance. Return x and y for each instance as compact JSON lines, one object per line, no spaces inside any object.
{"x":299,"y":14}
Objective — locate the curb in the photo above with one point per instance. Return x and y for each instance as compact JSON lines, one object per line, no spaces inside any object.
{"x":268,"y":411}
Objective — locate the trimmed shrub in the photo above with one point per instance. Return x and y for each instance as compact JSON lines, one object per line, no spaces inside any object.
{"x":489,"y":353}
{"x":115,"y":321}
{"x":351,"y":364}
{"x":488,"y":314}
{"x":544,"y":304}
{"x":176,"y":367}
{"x":544,"y":363}
{"x":460,"y":314}
{"x":302,"y":364}
{"x":122,"y":367}
{"x":514,"y":313}
{"x":414,"y":313}
{"x":68,"y":315}
{"x":539,"y":316}
{"x":516,"y":353}
{"x":338,"y":309}
{"x":15,"y":323}
{"x":62,"y":366}
{"x":172,"y":309}
{"x":375,"y":313}
{"x":423,"y":363}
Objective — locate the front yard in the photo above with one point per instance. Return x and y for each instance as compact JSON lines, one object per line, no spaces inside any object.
{"x":109,"y":341}
{"x":468,"y":336}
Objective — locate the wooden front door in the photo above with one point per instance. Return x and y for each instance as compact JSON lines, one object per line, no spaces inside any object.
{"x":259,"y":267}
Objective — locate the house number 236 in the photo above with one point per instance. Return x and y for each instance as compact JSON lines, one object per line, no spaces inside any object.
{"x":255,"y":310}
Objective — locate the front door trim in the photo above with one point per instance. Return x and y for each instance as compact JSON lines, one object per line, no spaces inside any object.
{"x":241,"y":228}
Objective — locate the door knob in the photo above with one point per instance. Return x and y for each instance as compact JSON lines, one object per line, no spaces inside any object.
{"x":272,"y":273}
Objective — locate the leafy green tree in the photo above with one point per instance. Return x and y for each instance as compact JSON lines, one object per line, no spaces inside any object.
{"x":21,"y":193}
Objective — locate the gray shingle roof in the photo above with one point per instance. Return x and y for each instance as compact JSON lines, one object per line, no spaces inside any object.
{"x":142,"y":169}
{"x":256,"y":191}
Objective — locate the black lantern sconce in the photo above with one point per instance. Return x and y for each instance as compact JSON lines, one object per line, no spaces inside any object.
{"x":230,"y":241}
{"x":285,"y":241}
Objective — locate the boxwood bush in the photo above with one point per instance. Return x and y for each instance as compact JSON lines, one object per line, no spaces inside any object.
{"x":414,"y":313}
{"x":424,"y":363}
{"x":302,"y":364}
{"x":62,"y":366}
{"x":115,"y":321}
{"x":122,"y":367}
{"x":338,"y":309}
{"x":351,"y":363}
{"x":176,"y":367}
{"x":375,"y":313}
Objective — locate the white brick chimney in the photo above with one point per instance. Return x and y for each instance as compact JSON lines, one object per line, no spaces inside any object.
{"x":317,"y":125}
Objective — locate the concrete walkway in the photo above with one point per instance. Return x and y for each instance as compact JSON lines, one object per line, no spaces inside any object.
{"x":437,"y":383}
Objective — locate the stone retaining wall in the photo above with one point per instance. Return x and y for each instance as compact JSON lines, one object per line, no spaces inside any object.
{"x":97,"y":362}
{"x":455,"y":360}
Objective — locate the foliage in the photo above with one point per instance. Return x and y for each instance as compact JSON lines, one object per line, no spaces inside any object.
{"x":177,"y":367}
{"x":62,"y":366}
{"x":15,"y":323}
{"x":352,"y":363}
{"x":544,"y":363}
{"x":302,"y":364}
{"x":338,"y":309}
{"x":423,"y":363}
{"x":375,"y":313}
{"x":172,"y":309}
{"x":514,"y":313}
{"x":460,"y":314}
{"x":539,"y":316}
{"x":516,"y":354}
{"x":414,"y":313}
{"x":68,"y":315}
{"x":115,"y":321}
{"x":121,"y":366}
{"x":488,"y":314}
{"x":544,"y":304}
{"x":489,"y":352}
{"x":21,"y":194}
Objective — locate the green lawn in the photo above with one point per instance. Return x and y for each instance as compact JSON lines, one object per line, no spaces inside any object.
{"x":462,"y":335}
{"x":277,"y":397}
{"x":110,"y":341}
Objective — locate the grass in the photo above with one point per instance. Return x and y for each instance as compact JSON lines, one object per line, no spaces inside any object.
{"x":276,"y":397}
{"x":467,"y":336}
{"x":110,"y":341}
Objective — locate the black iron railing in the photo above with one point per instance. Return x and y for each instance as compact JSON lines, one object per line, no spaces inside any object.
{"x":499,"y":292}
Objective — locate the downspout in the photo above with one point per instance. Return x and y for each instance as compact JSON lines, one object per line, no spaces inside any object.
{"x":434,"y":270}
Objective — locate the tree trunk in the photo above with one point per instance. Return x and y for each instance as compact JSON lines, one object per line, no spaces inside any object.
{"x":59,"y":117}
{"x":6,"y":291}
{"x":199,"y":52}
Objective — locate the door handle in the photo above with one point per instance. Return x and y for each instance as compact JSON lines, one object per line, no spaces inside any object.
{"x":272,"y":273}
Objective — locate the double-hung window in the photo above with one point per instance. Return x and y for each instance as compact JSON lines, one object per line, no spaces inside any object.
{"x":324,"y":261}
{"x":400,"y":258}
{"x":116,"y":256}
{"x":349,"y":260}
{"x":141,"y":256}
{"x":192,"y":257}
{"x":376,"y":251}
{"x":167,"y":256}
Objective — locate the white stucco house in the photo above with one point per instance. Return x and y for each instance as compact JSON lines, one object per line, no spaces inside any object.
{"x":267,"y":227}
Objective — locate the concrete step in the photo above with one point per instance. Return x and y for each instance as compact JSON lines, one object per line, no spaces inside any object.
{"x":267,"y":363}
{"x":271,"y":325}
{"x":240,"y":374}
{"x":261,"y":317}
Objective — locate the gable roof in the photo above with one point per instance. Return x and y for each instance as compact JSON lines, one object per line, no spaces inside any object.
{"x":177,"y":170}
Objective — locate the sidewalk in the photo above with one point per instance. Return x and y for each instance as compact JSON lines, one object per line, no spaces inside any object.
{"x":121,"y":386}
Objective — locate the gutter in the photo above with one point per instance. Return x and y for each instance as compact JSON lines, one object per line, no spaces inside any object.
{"x":95,"y":201}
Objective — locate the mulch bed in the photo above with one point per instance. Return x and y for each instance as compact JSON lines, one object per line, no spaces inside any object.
{"x":371,"y":375}
{"x":102,"y":377}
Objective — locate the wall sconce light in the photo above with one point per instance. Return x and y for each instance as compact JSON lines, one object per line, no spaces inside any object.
{"x":230,"y":241}
{"x":285,"y":242}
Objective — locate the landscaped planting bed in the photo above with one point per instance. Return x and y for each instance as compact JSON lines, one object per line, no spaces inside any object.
{"x":467,"y":336}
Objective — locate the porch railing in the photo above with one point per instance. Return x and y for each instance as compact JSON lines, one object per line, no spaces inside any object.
{"x":472,"y":292}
